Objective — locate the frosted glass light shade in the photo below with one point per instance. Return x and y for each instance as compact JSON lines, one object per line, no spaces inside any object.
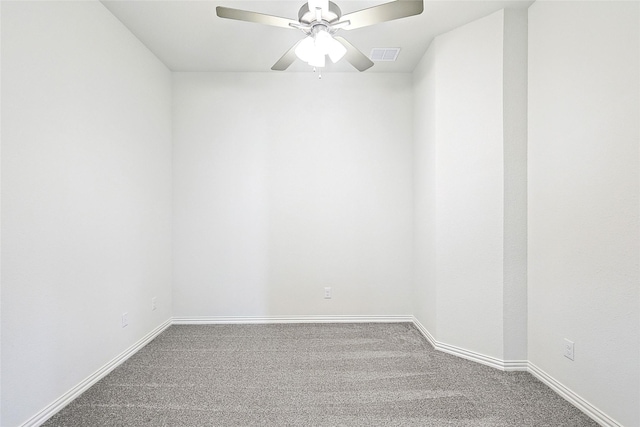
{"x":336,"y":50}
{"x":313,"y":49}
{"x":318,"y":60}
{"x":323,"y":41}
{"x":308,"y":52}
{"x":330,"y":46}
{"x":306,"y":49}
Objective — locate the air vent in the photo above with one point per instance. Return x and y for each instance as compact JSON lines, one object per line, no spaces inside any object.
{"x":384,"y":54}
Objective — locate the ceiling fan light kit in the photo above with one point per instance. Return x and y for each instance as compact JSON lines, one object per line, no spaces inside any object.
{"x":319,"y":20}
{"x":315,"y":47}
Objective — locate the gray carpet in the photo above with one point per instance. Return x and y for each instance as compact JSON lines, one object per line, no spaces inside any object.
{"x":311,"y":375}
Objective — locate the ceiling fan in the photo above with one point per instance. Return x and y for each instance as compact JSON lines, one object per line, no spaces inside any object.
{"x":320,"y":20}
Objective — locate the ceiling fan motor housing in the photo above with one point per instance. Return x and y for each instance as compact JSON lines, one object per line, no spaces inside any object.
{"x":307,"y":17}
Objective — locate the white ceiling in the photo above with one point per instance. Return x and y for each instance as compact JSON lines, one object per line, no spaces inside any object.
{"x":188,"y":36}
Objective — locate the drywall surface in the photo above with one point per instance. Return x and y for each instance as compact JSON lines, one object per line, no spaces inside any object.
{"x":583,"y":199}
{"x":285,"y":184}
{"x":470,"y":99}
{"x":469,"y":186}
{"x":424,"y":191}
{"x":86,"y":188}
{"x":0,"y":219}
{"x":515,"y":184}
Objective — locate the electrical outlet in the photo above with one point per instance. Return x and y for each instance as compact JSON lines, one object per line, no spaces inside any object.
{"x":327,"y":293}
{"x":568,"y":349}
{"x":125,"y":319}
{"x":154,"y":304}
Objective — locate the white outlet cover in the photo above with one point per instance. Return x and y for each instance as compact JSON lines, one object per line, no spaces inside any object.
{"x":125,"y":319}
{"x":569,"y":348}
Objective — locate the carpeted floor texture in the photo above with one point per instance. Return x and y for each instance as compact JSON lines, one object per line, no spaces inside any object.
{"x":364,"y":374}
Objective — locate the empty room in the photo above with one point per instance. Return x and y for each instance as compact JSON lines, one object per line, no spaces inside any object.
{"x":323,"y":213}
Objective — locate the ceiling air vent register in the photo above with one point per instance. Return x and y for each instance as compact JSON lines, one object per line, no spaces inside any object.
{"x":384,"y":54}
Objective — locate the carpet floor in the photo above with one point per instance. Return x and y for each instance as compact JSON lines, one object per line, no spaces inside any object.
{"x":364,"y":374}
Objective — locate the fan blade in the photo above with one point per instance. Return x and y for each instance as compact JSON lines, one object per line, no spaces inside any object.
{"x":287,"y":59}
{"x":356,"y":58}
{"x":382,"y":13}
{"x":260,"y":18}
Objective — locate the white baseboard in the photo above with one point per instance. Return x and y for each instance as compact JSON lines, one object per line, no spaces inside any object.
{"x":217,"y":320}
{"x":523,"y":365}
{"x":503,"y":365}
{"x":576,"y":400}
{"x":515,"y":365}
{"x":83,"y":385}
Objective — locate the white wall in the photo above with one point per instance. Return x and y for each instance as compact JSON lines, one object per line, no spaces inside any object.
{"x":424,"y":187}
{"x":584,"y":76}
{"x":284,"y":184}
{"x":0,"y":220}
{"x":459,"y":190}
{"x":86,"y":188}
{"x":515,"y":184}
{"x":470,"y":187}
